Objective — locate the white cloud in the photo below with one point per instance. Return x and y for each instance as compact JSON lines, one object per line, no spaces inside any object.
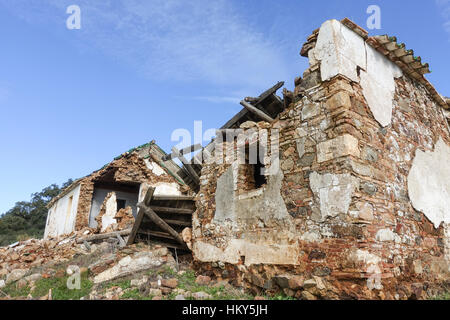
{"x":219,"y":99}
{"x":444,"y":7}
{"x":171,"y":39}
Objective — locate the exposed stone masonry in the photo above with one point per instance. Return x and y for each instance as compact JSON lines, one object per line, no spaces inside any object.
{"x":350,"y":228}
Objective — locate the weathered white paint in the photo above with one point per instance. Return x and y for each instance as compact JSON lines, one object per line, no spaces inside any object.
{"x":62,"y":215}
{"x":110,"y":211}
{"x":379,"y":86}
{"x":138,"y":262}
{"x":167,"y":188}
{"x":387,"y":235}
{"x":254,"y":253}
{"x":262,"y":204}
{"x":342,"y":51}
{"x":100,"y":195}
{"x":154,"y":167}
{"x":333,"y":192}
{"x":429,"y":183}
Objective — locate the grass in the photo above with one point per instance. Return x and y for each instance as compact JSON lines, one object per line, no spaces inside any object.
{"x":186,"y":281}
{"x":134,"y":294}
{"x":13,"y":292}
{"x":445,"y":296}
{"x":60,"y":291}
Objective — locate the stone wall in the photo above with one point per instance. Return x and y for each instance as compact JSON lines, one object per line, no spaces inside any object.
{"x":138,"y":167}
{"x":345,"y":216}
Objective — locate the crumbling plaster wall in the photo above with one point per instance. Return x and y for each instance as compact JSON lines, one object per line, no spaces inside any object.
{"x":131,"y":200}
{"x":340,"y":50}
{"x":345,"y":187}
{"x":131,"y":168}
{"x":61,"y":217}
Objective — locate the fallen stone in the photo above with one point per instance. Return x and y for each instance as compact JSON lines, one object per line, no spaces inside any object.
{"x":169,"y":283}
{"x":180,"y":297}
{"x":310,"y":283}
{"x":202,"y":280}
{"x":130,"y":264}
{"x":15,"y":275}
{"x":157,"y":298}
{"x":201,"y":296}
{"x":308,"y":296}
{"x":282,"y":281}
{"x":296,"y":282}
{"x":165,"y":290}
{"x":154,"y":292}
{"x":34,"y":277}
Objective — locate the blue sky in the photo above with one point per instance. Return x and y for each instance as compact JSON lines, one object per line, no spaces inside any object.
{"x":71,"y":100}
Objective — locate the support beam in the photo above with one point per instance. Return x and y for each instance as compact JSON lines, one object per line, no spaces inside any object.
{"x":137,"y":223}
{"x":194,"y":176}
{"x":184,"y":151}
{"x":262,"y":115}
{"x":160,"y":223}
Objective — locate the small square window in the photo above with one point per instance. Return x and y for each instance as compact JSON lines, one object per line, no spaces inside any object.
{"x":121,"y":204}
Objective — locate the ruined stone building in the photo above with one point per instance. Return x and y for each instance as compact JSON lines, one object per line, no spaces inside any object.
{"x":348,"y":195}
{"x":112,"y":193}
{"x":355,"y":196}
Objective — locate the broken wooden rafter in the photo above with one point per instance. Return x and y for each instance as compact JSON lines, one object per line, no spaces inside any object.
{"x":137,"y":223}
{"x":156,"y":219}
{"x":190,"y":170}
{"x":183,"y":151}
{"x":261,"y":114}
{"x":103,"y":236}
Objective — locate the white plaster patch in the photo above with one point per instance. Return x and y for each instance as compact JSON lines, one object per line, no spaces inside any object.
{"x":341,"y":51}
{"x":333,"y":192}
{"x":264,"y":204}
{"x":167,"y":188}
{"x":387,"y":235}
{"x":311,"y":236}
{"x":379,"y":86}
{"x":154,"y":167}
{"x":429,"y":183}
{"x":254,"y":253}
{"x":110,"y":213}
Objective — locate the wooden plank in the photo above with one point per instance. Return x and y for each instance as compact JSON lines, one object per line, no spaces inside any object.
{"x":170,"y":198}
{"x":158,"y":234}
{"x":268,"y":92}
{"x":187,"y":165}
{"x":172,"y":210}
{"x":105,"y":235}
{"x":137,"y":223}
{"x":256,"y":111}
{"x":179,"y":222}
{"x":161,"y":223}
{"x":184,"y":151}
{"x":169,"y":245}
